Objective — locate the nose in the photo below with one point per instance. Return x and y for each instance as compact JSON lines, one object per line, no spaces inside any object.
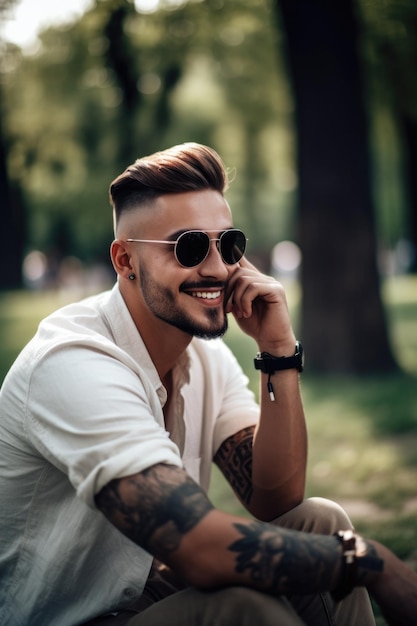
{"x":213,"y":265}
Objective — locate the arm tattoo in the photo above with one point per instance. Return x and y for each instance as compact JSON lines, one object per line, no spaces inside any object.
{"x":154,"y":508}
{"x":370,"y":561}
{"x":284,"y":561}
{"x":234,"y":459}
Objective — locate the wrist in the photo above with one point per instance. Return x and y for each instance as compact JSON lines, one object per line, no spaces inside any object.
{"x":371,"y":563}
{"x":270,"y":364}
{"x":360,"y":563}
{"x":284,"y":347}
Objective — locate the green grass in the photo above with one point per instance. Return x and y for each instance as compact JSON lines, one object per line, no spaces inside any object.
{"x":20,"y":313}
{"x":362,"y":432}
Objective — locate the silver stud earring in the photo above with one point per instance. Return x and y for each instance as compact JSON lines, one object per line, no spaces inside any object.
{"x":132,"y":276}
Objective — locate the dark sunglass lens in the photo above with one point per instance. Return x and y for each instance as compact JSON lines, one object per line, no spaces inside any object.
{"x":232,"y":246}
{"x":192,"y":248}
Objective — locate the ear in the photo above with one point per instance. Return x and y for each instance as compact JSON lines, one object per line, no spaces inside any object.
{"x":121,"y":258}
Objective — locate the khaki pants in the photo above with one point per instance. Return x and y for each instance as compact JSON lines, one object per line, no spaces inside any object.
{"x":165,"y":603}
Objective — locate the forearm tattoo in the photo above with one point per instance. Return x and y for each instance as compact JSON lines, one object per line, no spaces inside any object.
{"x":234,"y":459}
{"x":284,"y":561}
{"x":155,"y":508}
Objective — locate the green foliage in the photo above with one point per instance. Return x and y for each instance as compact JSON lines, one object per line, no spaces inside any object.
{"x":390,"y":29}
{"x":193,"y":72}
{"x":389,"y":49}
{"x":206,"y":71}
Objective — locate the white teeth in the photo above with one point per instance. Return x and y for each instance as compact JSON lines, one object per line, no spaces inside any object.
{"x":208,"y":295}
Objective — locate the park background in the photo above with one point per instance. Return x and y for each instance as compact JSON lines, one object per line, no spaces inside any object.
{"x":313,"y":106}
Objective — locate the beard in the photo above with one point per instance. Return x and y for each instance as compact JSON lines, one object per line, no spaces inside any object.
{"x":161,"y":301}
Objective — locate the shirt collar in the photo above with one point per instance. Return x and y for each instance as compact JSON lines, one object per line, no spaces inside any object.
{"x":127,"y":337}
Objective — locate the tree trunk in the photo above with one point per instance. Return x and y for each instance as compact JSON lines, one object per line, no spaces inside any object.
{"x":11,"y":215}
{"x":343,"y":323}
{"x":120,"y":58}
{"x":409,"y":128}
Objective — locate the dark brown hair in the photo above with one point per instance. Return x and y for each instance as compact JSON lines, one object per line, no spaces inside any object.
{"x":186,"y":167}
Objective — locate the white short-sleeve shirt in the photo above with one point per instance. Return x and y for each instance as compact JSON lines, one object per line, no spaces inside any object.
{"x":81,"y":406}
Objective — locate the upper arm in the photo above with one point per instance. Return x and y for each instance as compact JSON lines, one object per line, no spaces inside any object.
{"x":98,"y":420}
{"x":155,"y":508}
{"x":234,"y":459}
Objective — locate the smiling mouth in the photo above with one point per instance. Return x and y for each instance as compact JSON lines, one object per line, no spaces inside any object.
{"x":206,"y":295}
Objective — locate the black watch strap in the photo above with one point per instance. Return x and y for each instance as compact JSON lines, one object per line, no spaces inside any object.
{"x":270,"y":364}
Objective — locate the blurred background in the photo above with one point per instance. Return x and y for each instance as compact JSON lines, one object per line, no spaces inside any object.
{"x":312,"y":105}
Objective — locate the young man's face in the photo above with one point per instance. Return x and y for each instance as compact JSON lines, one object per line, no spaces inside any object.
{"x":191,"y":299}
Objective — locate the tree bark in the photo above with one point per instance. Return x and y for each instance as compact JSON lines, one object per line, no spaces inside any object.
{"x":343,"y":324}
{"x":120,"y":58}
{"x":409,"y":130}
{"x":12,"y":220}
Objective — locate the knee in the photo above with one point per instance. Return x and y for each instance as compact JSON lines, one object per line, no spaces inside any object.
{"x":316,"y":515}
{"x":325,"y":516}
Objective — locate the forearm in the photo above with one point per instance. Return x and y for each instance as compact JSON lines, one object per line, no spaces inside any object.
{"x":259,"y":305}
{"x":279,"y":454}
{"x":394,"y":589}
{"x":229,"y":550}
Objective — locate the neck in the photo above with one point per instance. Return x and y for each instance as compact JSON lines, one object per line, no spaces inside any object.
{"x":164,"y":342}
{"x":165,"y":346}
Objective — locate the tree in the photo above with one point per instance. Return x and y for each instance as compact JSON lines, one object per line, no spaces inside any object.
{"x":121,"y":59}
{"x":10,"y":271}
{"x":117,"y":84}
{"x":343,"y":323}
{"x":391,"y":54}
{"x":11,"y":205}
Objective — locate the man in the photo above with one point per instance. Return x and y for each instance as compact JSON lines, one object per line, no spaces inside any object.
{"x":112,"y":415}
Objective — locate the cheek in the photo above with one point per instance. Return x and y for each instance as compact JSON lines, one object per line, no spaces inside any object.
{"x":151,"y":256}
{"x":158,"y":272}
{"x":155,"y":264}
{"x":163,"y":270}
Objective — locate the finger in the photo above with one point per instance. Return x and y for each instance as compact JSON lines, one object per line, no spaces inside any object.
{"x":244,"y":262}
{"x":244,"y":295}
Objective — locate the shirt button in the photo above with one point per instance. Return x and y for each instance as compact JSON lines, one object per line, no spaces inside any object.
{"x":129,"y":592}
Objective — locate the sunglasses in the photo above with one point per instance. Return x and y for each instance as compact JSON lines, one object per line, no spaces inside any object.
{"x":192,"y":247}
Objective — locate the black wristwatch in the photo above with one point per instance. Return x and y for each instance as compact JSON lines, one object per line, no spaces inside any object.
{"x":270,"y":364}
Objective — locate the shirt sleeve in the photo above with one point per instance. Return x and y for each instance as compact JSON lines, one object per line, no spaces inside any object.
{"x":239,"y":408}
{"x":227,"y":395}
{"x":96,"y":417}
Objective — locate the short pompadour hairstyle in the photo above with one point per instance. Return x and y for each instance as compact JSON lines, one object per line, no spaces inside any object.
{"x":185,"y":167}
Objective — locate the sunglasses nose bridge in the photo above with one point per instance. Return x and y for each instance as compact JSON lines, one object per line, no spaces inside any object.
{"x":214,"y":246}
{"x":216,"y":242}
{"x":213,"y":261}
